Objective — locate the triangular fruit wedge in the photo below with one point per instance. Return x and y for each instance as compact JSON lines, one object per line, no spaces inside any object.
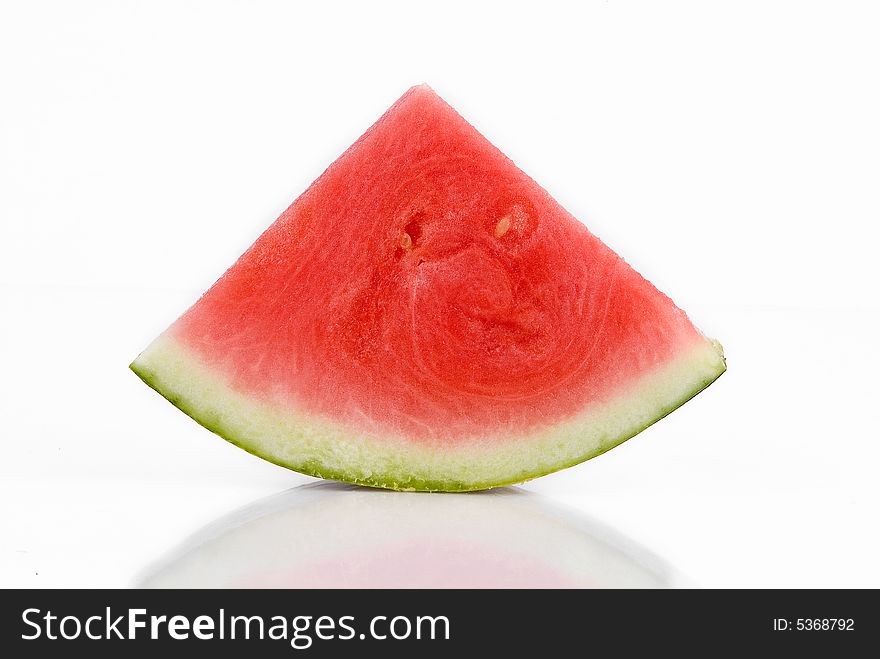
{"x":426,"y":317}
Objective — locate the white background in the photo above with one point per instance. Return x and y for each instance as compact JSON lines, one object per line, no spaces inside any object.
{"x":730,"y":151}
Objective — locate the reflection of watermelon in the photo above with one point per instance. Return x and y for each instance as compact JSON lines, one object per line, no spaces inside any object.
{"x":500,"y":539}
{"x":425,"y":316}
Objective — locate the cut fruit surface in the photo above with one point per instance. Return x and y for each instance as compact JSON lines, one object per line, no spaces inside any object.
{"x":425,"y":316}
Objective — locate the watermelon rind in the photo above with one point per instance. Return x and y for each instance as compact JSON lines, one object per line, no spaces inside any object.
{"x":325,"y":448}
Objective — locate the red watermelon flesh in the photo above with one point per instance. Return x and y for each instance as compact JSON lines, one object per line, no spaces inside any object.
{"x":426,"y":316}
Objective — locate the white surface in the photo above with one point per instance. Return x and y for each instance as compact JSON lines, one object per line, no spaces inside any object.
{"x":729,"y":152}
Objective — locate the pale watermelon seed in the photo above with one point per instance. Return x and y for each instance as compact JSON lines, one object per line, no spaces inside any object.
{"x":503,"y":226}
{"x":406,"y":241}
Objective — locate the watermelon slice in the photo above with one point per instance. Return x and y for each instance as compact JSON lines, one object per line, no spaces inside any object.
{"x":426,"y":317}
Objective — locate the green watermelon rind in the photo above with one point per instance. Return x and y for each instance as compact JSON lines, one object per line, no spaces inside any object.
{"x":170,"y":373}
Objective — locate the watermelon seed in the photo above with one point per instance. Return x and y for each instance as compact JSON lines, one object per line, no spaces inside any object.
{"x":503,"y":226}
{"x":406,"y":241}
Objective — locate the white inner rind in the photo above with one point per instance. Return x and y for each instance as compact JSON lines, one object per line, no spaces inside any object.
{"x":322,"y":447}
